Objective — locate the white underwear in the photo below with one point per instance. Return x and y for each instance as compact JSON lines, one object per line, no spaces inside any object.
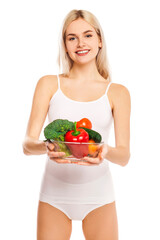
{"x":77,"y":200}
{"x":75,"y":211}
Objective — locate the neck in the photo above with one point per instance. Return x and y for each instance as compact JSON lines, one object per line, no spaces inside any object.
{"x":87,"y":72}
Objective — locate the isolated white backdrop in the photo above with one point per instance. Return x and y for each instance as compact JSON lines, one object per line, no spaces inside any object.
{"x":28,"y":50}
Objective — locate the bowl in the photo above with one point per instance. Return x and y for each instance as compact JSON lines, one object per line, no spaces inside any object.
{"x":77,"y":150}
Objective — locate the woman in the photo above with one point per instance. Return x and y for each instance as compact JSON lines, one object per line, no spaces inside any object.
{"x":80,"y":190}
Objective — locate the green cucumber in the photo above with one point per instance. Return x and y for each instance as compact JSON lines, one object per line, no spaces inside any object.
{"x":93,"y":135}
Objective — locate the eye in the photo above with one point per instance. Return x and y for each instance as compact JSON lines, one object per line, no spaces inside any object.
{"x":88,"y":35}
{"x":72,"y":38}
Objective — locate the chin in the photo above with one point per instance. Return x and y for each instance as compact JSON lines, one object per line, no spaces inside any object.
{"x":85,"y":61}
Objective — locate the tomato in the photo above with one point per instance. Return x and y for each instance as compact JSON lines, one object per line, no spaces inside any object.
{"x":92,"y":147}
{"x":84,"y":122}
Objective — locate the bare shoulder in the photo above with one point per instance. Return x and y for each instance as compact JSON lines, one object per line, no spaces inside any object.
{"x":47,"y":80}
{"x":117,"y":89}
{"x":48,"y":84}
{"x":118,"y":93}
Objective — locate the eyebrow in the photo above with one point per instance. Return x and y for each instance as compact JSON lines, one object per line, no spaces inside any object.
{"x":73,"y":34}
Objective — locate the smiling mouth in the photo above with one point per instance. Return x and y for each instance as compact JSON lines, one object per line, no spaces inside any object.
{"x":82,"y":52}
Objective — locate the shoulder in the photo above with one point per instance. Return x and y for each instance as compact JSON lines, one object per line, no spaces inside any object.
{"x":119,"y":93}
{"x":47,"y":80}
{"x":47,"y":84}
{"x":118,"y":89}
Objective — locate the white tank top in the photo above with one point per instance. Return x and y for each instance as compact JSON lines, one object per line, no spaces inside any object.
{"x":99,"y":113}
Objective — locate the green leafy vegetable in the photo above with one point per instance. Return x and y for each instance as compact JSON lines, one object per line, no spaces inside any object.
{"x":57,"y":129}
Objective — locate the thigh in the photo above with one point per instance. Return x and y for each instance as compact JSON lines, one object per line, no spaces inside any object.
{"x":101,"y":223}
{"x":52,"y":224}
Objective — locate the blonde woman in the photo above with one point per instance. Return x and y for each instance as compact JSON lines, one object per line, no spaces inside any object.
{"x":83,"y":190}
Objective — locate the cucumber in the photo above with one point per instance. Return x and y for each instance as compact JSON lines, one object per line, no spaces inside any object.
{"x":93,"y":135}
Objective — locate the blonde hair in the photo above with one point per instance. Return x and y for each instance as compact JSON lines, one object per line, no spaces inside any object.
{"x":65,"y":62}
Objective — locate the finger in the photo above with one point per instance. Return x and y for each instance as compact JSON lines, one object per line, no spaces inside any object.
{"x":53,"y":154}
{"x":92,"y":160}
{"x":104,"y":150}
{"x":101,"y":156}
{"x":50,"y":146}
{"x":61,"y":160}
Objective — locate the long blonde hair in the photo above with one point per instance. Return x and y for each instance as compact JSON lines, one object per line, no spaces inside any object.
{"x":65,"y":62}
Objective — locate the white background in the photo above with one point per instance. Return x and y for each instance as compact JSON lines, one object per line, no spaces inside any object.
{"x":28,"y":50}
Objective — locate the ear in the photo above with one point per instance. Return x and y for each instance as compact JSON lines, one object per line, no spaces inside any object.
{"x":100,"y":43}
{"x":66,"y":49}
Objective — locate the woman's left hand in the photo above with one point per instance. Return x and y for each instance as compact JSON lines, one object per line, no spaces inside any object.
{"x":91,"y":161}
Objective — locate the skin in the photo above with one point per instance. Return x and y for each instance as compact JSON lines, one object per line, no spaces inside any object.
{"x":84,"y":71}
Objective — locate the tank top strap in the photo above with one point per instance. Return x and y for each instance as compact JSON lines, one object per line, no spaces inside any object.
{"x":109,"y":84}
{"x":58,"y":81}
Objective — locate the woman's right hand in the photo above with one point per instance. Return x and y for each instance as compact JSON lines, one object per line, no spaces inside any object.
{"x":55,"y":156}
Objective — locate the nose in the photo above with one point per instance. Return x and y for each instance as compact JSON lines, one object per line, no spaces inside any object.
{"x":81,"y":42}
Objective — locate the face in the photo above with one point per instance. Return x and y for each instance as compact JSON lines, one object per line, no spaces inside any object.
{"x":82,"y":42}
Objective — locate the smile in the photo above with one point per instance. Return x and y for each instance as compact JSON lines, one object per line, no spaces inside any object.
{"x":82,"y":52}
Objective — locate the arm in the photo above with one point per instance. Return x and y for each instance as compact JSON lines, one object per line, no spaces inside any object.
{"x":121,"y":113}
{"x":31,"y":144}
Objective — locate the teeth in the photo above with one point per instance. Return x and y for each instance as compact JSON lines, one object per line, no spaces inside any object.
{"x":83,"y":51}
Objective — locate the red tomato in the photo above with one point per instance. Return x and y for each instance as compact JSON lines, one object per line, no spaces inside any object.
{"x":84,"y":122}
